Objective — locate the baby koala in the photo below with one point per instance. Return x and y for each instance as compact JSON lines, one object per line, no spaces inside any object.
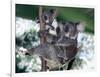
{"x":67,"y":42}
{"x":68,"y":32}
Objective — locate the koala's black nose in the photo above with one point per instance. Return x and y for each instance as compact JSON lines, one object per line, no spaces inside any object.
{"x":27,"y":54}
{"x":45,"y":17}
{"x":57,"y":30}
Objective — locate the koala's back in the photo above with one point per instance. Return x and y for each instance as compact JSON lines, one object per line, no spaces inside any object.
{"x":71,"y":51}
{"x":47,"y":51}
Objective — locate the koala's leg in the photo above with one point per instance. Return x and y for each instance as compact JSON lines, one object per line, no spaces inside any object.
{"x":70,"y":64}
{"x":43,"y":64}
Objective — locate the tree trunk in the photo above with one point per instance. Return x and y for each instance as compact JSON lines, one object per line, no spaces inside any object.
{"x":43,"y":38}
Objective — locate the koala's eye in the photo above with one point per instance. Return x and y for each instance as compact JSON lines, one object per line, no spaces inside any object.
{"x":66,"y":29}
{"x":37,"y":20}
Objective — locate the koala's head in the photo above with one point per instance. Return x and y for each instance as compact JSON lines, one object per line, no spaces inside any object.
{"x":69,"y":29}
{"x":47,"y":18}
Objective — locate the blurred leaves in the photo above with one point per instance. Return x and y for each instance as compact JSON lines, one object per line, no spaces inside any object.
{"x":26,"y":34}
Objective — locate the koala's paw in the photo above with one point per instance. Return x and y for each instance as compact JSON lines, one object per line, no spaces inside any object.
{"x":42,"y":33}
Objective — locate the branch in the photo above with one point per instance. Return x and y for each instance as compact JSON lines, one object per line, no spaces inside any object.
{"x":43,"y":38}
{"x":40,"y":17}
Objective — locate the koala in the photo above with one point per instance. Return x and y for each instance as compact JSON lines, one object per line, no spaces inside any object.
{"x":68,"y":32}
{"x":67,"y":42}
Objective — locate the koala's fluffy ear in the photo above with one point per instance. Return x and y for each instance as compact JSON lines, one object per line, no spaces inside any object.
{"x":53,"y":14}
{"x":80,"y":26}
{"x":52,"y":11}
{"x":60,"y":25}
